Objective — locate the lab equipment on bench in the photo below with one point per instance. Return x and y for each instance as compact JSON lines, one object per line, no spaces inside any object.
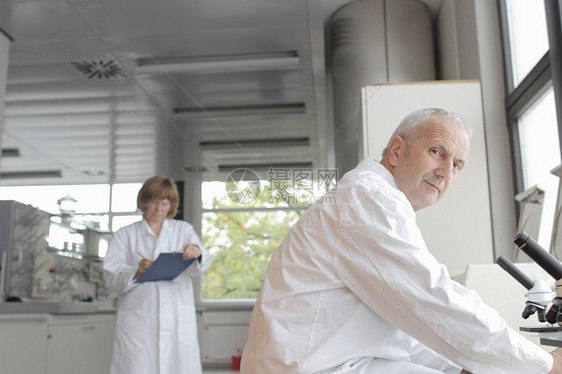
{"x":46,"y":258}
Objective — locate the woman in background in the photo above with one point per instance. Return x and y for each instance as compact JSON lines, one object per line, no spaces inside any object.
{"x":156,"y":329}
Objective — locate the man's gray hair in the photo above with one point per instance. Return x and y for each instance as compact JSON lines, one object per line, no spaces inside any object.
{"x":408,"y":128}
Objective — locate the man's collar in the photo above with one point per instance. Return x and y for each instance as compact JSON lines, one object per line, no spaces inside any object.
{"x":380,"y":169}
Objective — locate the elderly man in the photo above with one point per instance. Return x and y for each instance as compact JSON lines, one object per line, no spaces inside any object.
{"x":354,"y":289}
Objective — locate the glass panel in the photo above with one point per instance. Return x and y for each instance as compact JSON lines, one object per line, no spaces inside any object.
{"x":90,"y":198}
{"x":103,"y":246}
{"x":121,"y":221}
{"x":283,"y":187}
{"x":241,"y":244}
{"x":62,"y":237}
{"x":528,"y":35}
{"x":94,"y":221}
{"x":540,"y":153}
{"x":242,"y":238}
{"x":124,"y":197}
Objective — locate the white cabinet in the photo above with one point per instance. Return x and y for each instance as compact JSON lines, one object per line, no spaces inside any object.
{"x":56,"y":343}
{"x":80,"y":344}
{"x":224,"y":334}
{"x":23,"y":343}
{"x":458,"y":229}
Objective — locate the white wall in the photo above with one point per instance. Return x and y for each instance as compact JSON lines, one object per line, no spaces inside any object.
{"x":469,"y":33}
{"x":4,"y":57}
{"x":468,"y":46}
{"x":457,"y":230}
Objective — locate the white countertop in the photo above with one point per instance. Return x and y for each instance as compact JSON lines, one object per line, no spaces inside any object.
{"x":74,"y":307}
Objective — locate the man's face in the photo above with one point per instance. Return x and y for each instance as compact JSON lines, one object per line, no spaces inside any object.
{"x":425,"y":169}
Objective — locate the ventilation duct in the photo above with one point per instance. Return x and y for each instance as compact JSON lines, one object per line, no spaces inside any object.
{"x":374,"y":41}
{"x":255,"y":143}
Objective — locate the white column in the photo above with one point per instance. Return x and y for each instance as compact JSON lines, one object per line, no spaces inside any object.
{"x":4,"y":58}
{"x":470,"y":48}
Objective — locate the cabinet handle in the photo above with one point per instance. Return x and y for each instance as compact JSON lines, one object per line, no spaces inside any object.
{"x":89,"y":328}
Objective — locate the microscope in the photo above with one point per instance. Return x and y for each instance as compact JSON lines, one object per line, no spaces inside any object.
{"x":539,"y":293}
{"x":552,"y":266}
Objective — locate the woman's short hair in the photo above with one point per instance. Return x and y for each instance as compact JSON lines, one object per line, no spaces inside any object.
{"x":410,"y":125}
{"x":157,"y":188}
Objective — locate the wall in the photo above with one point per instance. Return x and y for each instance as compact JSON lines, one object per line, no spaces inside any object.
{"x":468,"y":46}
{"x":4,"y":57}
{"x":457,"y":230}
{"x":469,"y":33}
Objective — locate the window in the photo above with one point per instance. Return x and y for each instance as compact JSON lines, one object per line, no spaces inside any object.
{"x":245,"y":219}
{"x":528,"y":37}
{"x":124,"y":204}
{"x":540,"y":153}
{"x":531,"y":103}
{"x":92,"y":205}
{"x":92,"y":198}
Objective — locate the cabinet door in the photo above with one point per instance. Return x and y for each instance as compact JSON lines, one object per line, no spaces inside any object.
{"x":23,"y":343}
{"x":224,"y":334}
{"x":458,"y":229}
{"x":83,"y":348}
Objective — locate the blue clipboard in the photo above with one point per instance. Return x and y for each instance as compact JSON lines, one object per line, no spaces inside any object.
{"x":166,"y":267}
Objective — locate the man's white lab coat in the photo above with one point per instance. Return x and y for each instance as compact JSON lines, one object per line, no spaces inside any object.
{"x":156,"y":329}
{"x":353,"y":289}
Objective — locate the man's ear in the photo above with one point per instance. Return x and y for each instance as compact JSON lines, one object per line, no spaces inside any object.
{"x":396,"y":147}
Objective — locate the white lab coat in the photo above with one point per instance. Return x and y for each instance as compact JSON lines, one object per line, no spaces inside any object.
{"x":156,"y":329}
{"x":353,"y":289}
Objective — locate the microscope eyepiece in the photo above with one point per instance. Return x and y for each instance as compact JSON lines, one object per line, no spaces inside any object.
{"x":544,"y":259}
{"x":521,"y":239}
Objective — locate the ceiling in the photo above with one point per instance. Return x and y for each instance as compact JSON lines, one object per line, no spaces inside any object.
{"x":80,"y":108}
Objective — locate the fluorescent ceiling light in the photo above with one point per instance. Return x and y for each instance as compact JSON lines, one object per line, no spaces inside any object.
{"x":241,"y":110}
{"x":254,"y":143}
{"x":264,"y":167}
{"x":219,"y":63}
{"x":195,"y":169}
{"x":31,"y":174}
{"x":11,"y":152}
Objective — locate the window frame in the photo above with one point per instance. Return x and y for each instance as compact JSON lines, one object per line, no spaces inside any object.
{"x":232,"y":304}
{"x":225,"y":304}
{"x":545,"y":74}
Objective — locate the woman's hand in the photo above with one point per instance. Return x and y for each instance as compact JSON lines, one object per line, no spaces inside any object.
{"x":191,"y":251}
{"x":143,"y":265}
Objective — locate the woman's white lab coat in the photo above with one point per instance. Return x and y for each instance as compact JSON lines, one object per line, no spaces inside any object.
{"x":156,"y":329}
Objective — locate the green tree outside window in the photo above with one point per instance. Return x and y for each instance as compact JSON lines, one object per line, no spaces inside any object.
{"x":243,"y":237}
